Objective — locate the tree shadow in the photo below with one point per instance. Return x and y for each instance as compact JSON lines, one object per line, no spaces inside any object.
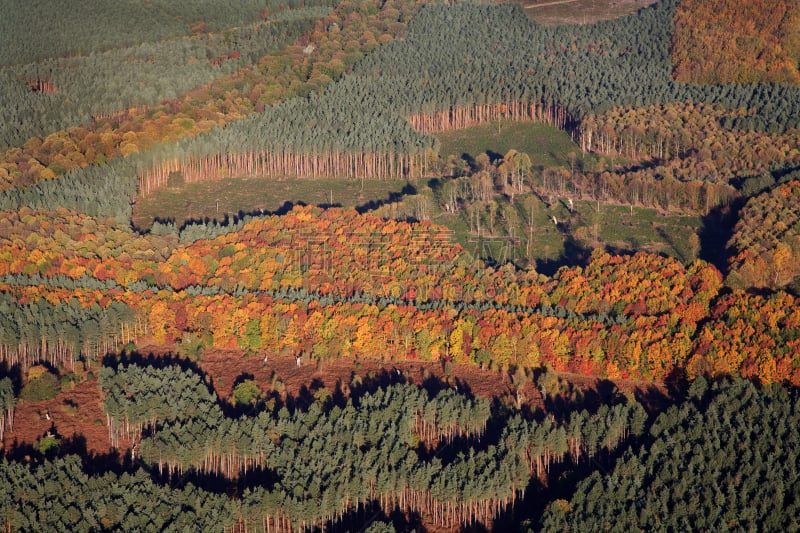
{"x":394,"y":197}
{"x":716,"y":230}
{"x":369,"y":514}
{"x":228,"y":221}
{"x":494,"y":157}
{"x":93,"y":463}
{"x":574,"y":254}
{"x":14,"y":373}
{"x":470,"y":161}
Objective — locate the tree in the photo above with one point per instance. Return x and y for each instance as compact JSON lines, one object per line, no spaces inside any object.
{"x":7,"y":401}
{"x":246,"y":392}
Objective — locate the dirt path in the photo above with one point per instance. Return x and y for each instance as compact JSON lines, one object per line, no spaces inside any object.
{"x":550,"y":4}
{"x":580,"y":11}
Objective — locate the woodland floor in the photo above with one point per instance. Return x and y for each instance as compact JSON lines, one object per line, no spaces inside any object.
{"x":75,"y":415}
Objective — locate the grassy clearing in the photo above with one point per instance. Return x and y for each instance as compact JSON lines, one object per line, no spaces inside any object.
{"x":525,"y":234}
{"x":215,"y":199}
{"x":620,"y":229}
{"x":580,"y":11}
{"x":626,"y":229}
{"x":545,"y":145}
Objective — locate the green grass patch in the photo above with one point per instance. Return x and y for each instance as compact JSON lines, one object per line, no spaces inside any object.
{"x":215,"y":199}
{"x":547,"y":234}
{"x":622,"y":228}
{"x":545,"y":145}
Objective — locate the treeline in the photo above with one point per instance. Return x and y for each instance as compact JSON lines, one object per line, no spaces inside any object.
{"x":684,"y":141}
{"x":465,"y":117}
{"x":56,"y":94}
{"x":328,"y":165}
{"x":766,"y":241}
{"x":139,"y":402}
{"x":61,"y":333}
{"x":371,"y":442}
{"x":59,"y":495}
{"x":333,"y":284}
{"x":726,"y":41}
{"x":727,"y":458}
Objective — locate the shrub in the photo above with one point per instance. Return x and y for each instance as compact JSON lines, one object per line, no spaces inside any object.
{"x":45,"y":387}
{"x":246,"y":392}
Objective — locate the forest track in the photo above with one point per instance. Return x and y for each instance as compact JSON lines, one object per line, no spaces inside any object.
{"x":533,"y":6}
{"x":581,"y":11}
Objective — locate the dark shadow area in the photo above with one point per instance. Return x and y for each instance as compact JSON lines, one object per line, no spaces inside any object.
{"x":674,"y":245}
{"x":618,"y":250}
{"x":301,"y":402}
{"x":653,"y":399}
{"x":569,"y":399}
{"x":97,"y":464}
{"x":715,"y":232}
{"x":408,"y":190}
{"x":470,"y":161}
{"x":228,"y":221}
{"x":677,"y":384}
{"x":574,"y":254}
{"x":361,"y":519}
{"x":786,"y":174}
{"x":93,"y":463}
{"x":213,"y":483}
{"x":362,"y":385}
{"x":494,"y":157}
{"x":244,"y":376}
{"x":14,"y":373}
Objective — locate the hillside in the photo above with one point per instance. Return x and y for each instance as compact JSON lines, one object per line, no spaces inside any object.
{"x":301,"y":267}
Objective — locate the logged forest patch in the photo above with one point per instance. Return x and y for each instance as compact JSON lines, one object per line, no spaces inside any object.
{"x":75,"y":417}
{"x":546,"y":145}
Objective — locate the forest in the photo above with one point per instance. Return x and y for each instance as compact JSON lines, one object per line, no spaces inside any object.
{"x":310,"y":266}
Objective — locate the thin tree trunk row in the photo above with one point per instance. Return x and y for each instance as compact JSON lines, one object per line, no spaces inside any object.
{"x":60,"y":352}
{"x":473,"y":115}
{"x":339,"y":165}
